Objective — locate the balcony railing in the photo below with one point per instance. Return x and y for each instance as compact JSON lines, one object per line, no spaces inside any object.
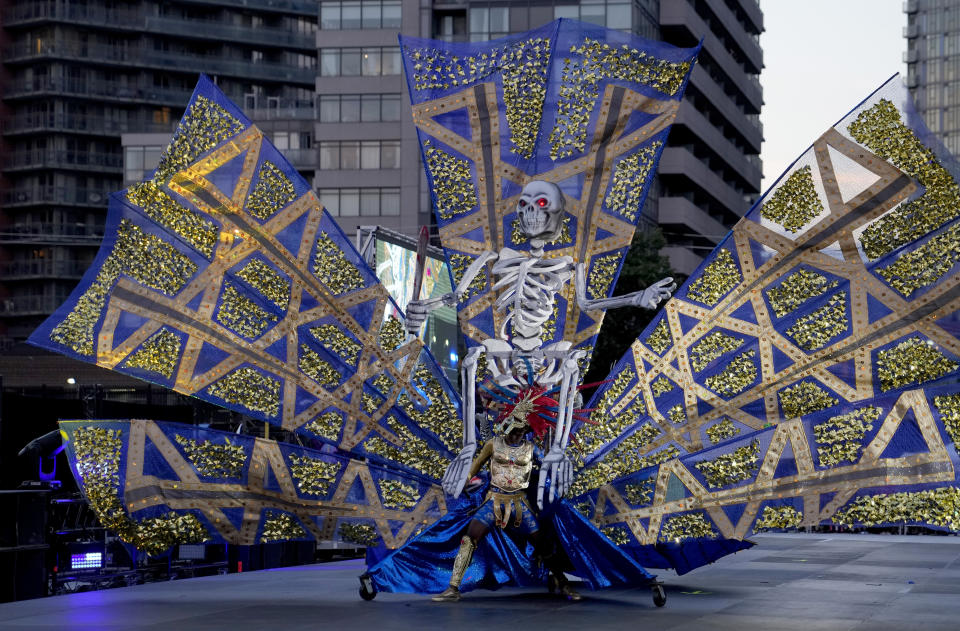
{"x":41,"y":268}
{"x":264,"y":36}
{"x":145,"y":57}
{"x":95,"y":124}
{"x":51,"y":158}
{"x":43,"y":232}
{"x":107,"y":90}
{"x":30,"y":305}
{"x":98,"y":15}
{"x":300,"y":7}
{"x":283,"y":112}
{"x":301,"y":158}
{"x":54,"y":195}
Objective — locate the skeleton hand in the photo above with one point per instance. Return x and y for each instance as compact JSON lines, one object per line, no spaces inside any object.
{"x":650,"y":297}
{"x":560,"y":469}
{"x":418,"y":310}
{"x":459,"y":471}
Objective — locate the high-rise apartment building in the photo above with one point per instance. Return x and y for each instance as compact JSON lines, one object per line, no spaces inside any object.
{"x":710,"y":171}
{"x":933,"y":65}
{"x":79,"y":73}
{"x":369,"y":170}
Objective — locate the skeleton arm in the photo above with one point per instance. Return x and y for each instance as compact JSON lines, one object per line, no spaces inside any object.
{"x":418,"y":310}
{"x":647,"y":298}
{"x":556,"y":463}
{"x":462,"y":468}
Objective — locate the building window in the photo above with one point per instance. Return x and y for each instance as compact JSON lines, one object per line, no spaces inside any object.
{"x":360,"y":154}
{"x":355,"y":108}
{"x":361,"y":202}
{"x":356,"y":62}
{"x":140,"y":161}
{"x":357,"y":14}
{"x":615,"y":14}
{"x":489,"y":23}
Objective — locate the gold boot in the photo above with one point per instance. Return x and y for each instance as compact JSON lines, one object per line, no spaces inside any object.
{"x":569,"y":593}
{"x":460,"y":565}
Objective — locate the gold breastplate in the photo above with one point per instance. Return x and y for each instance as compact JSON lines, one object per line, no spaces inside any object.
{"x":510,"y":466}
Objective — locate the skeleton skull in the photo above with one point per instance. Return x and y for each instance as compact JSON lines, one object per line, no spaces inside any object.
{"x":540,"y":210}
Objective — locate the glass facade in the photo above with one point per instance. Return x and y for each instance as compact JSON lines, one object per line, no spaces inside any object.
{"x":933,"y":65}
{"x":360,"y":154}
{"x":361,"y":202}
{"x":357,"y":14}
{"x":359,"y":108}
{"x":360,"y":62}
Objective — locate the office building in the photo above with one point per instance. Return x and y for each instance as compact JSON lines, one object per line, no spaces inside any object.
{"x":933,"y":65}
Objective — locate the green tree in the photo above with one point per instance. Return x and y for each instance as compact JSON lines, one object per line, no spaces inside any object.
{"x":643,"y":266}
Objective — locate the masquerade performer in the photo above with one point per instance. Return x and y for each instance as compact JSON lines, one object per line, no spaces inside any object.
{"x":505,"y":506}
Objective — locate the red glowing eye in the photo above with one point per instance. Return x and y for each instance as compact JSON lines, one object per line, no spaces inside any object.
{"x":541,"y":202}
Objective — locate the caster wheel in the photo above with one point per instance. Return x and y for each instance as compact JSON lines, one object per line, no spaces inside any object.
{"x":659,"y":596}
{"x":367,"y":590}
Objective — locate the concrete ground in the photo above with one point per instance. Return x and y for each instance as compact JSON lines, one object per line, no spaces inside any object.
{"x":806,"y":582}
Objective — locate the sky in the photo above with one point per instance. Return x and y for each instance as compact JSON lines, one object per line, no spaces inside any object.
{"x":821,"y":58}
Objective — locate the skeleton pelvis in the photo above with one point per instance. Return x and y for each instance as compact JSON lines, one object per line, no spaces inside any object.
{"x":509,"y":366}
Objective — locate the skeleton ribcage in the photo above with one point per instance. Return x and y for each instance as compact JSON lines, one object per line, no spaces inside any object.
{"x":528,"y":292}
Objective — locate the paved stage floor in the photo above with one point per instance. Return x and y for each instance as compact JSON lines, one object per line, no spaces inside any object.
{"x":809,"y":582}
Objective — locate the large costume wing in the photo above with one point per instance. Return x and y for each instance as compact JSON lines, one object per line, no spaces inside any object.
{"x":807,"y":373}
{"x":221,"y":277}
{"x":571,"y":103}
{"x":158,"y":484}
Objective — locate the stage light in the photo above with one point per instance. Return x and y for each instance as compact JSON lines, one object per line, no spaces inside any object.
{"x":86,"y":561}
{"x":453,"y":357}
{"x":71,"y":381}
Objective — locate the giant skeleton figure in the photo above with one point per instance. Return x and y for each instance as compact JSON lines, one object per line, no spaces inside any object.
{"x":528,"y":285}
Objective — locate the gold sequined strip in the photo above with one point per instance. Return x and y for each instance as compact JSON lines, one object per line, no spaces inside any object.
{"x":267,"y":281}
{"x":523,"y":66}
{"x":804,"y":398}
{"x":203,"y":127}
{"x":912,"y":361}
{"x":97,"y":458}
{"x":795,"y":202}
{"x":145,"y":258}
{"x":249,"y":388}
{"x":193,"y":227}
{"x":159,"y":354}
{"x":212,"y":459}
{"x":453,"y":184}
{"x":881,"y":129}
{"x":332,"y":268}
{"x":778,"y":518}
{"x":937,"y":507}
{"x":273,"y":191}
{"x":589,"y":64}
{"x":796,"y":289}
{"x":718,"y":277}
{"x":840,"y":438}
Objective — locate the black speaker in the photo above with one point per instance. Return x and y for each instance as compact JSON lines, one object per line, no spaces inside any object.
{"x":24,"y":573}
{"x":25,"y":518}
{"x":23,"y":544}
